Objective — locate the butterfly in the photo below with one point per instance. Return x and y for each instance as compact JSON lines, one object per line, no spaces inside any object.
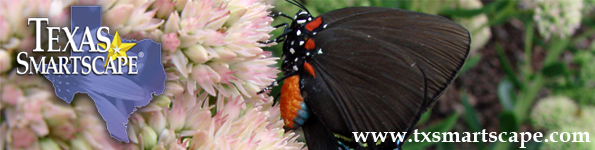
{"x":364,"y":69}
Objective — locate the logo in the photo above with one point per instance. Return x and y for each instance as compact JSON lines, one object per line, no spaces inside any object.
{"x":118,"y":74}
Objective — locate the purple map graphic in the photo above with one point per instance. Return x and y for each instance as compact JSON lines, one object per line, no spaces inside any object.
{"x":116,"y":96}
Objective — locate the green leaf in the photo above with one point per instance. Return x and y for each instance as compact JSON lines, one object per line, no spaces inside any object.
{"x":424,"y":117}
{"x":470,"y":115}
{"x":556,"y":47}
{"x":508,"y":67}
{"x":471,"y":118}
{"x":463,"y":13}
{"x":532,"y":145}
{"x":443,"y":126}
{"x":554,"y":69}
{"x":589,"y":21}
{"x":502,"y":14}
{"x":506,"y":94}
{"x":508,"y":122}
{"x":446,"y":146}
{"x":471,"y":62}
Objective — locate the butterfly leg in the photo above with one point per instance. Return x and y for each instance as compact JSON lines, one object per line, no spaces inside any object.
{"x":275,"y":99}
{"x":273,"y":84}
{"x":279,"y":38}
{"x":280,"y":14}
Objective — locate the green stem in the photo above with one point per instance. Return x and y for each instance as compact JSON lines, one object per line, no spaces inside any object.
{"x":507,"y":67}
{"x":527,"y":95}
{"x":529,"y":33}
{"x":555,"y":49}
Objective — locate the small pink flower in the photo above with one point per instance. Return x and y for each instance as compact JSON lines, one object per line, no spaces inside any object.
{"x":3,"y":130}
{"x":224,"y":72}
{"x":205,"y":77}
{"x":4,"y":26}
{"x":201,"y":119}
{"x":170,"y":41}
{"x":173,"y":88}
{"x":22,"y":138}
{"x":164,"y":7}
{"x":56,"y":114}
{"x":215,"y":38}
{"x":172,"y":23}
{"x":118,"y":14}
{"x":31,"y":111}
{"x":27,"y":44}
{"x":224,"y":54}
{"x":11,"y":94}
{"x":65,"y":131}
{"x":156,"y":120}
{"x":192,"y":24}
{"x":131,"y":17}
{"x":176,"y":116}
{"x":180,"y":62}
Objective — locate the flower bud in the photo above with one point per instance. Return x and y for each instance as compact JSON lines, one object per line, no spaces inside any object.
{"x":149,"y":137}
{"x":177,"y":116}
{"x":156,"y":120}
{"x":48,"y":144}
{"x":197,"y":53}
{"x":79,"y":143}
{"x":5,"y":60}
{"x":161,"y":101}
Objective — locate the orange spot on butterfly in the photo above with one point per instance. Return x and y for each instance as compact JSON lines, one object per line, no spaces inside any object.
{"x":310,"y":44}
{"x":313,"y":24}
{"x":291,"y":99}
{"x":309,"y":69}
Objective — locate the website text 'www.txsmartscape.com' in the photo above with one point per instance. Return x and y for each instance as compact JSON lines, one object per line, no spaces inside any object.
{"x":482,"y":136}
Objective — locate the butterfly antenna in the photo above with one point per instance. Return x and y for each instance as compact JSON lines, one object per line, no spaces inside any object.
{"x":298,"y":4}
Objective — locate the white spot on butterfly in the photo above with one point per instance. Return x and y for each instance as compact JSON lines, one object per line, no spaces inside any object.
{"x":309,"y":18}
{"x":324,"y":26}
{"x":295,"y":68}
{"x":413,"y":64}
{"x":320,"y":51}
{"x":314,"y":33}
{"x":298,"y":32}
{"x":302,"y":21}
{"x":301,"y":43}
{"x":296,"y":59}
{"x":291,"y":50}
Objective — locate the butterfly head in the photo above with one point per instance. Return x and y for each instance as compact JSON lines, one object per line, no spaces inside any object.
{"x":302,"y":17}
{"x":300,"y":47}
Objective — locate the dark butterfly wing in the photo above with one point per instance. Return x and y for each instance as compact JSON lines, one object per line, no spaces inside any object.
{"x":370,"y":72}
{"x":313,"y":129}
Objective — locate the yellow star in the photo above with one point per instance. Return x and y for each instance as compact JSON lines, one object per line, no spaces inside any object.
{"x":117,"y":48}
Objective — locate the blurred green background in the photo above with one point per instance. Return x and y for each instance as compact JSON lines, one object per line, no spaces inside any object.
{"x":531,"y":68}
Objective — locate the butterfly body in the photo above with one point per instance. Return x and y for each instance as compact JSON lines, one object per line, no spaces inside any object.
{"x":366,"y":69}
